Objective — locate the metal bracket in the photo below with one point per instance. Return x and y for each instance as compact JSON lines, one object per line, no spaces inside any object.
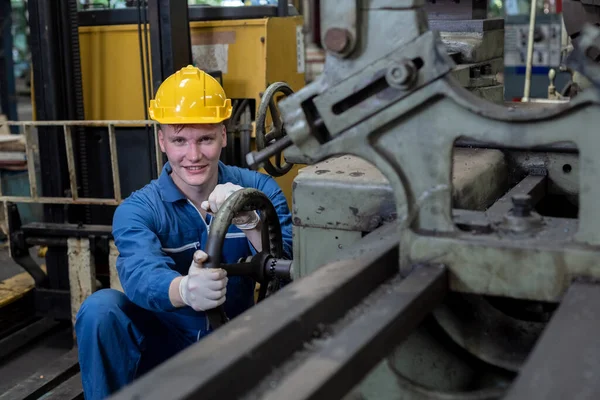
{"x":384,"y":82}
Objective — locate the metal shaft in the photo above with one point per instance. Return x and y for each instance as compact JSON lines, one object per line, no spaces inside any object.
{"x":255,"y":158}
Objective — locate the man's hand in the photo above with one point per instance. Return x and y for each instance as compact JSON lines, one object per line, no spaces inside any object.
{"x":203,"y":288}
{"x":244,"y":220}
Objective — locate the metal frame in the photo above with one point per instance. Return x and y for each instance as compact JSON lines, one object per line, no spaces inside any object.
{"x":25,"y":128}
{"x":196,"y":13}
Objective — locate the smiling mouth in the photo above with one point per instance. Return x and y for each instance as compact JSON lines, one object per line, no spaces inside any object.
{"x":196,"y":168}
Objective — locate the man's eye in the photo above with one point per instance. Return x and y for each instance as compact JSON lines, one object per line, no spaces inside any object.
{"x":179,"y":141}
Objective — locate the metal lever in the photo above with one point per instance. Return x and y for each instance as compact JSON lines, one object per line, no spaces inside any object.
{"x":255,"y":158}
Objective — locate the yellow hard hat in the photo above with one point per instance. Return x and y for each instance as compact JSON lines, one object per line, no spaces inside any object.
{"x":190,"y":96}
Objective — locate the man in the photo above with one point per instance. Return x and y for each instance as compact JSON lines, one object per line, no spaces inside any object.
{"x":159,"y":231}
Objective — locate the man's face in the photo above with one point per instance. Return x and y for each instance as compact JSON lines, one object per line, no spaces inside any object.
{"x":193,"y":151}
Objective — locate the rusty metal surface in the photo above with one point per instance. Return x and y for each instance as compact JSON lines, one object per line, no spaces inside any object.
{"x":379,"y":325}
{"x":349,"y":193}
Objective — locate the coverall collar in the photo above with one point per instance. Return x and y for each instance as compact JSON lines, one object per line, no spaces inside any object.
{"x":169,"y":191}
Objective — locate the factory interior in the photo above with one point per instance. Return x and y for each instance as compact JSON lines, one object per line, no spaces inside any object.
{"x":434,"y":237}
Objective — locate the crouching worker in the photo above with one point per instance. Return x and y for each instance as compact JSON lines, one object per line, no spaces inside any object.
{"x":157,"y":230}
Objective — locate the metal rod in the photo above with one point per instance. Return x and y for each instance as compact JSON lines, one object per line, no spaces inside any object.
{"x":44,"y":241}
{"x":254,"y":158}
{"x":30,"y":162}
{"x":528,"y":66}
{"x":71,"y":161}
{"x":564,"y":148}
{"x":114,"y":162}
{"x":60,"y":200}
{"x":133,"y":122}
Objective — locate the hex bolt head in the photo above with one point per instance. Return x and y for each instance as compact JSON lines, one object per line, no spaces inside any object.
{"x":401,"y":75}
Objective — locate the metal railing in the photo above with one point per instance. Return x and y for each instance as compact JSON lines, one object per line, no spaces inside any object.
{"x":25,"y":129}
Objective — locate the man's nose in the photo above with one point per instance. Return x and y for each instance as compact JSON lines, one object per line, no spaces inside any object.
{"x":193,"y":153}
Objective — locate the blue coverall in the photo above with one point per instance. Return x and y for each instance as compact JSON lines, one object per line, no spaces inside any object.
{"x":157,"y":230}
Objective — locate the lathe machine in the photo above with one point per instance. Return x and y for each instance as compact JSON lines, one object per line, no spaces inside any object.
{"x":445,"y":247}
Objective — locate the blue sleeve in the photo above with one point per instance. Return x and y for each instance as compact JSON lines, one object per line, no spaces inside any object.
{"x":144,"y":269}
{"x":269,"y":186}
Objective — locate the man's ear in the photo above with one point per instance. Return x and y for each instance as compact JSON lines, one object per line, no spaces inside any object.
{"x":161,"y":139}
{"x":224,"y":133}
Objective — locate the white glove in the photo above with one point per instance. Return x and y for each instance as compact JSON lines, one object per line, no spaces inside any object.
{"x":243,"y":220}
{"x":203,"y":288}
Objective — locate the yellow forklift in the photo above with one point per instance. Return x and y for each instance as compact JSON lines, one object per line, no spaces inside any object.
{"x":94,"y":72}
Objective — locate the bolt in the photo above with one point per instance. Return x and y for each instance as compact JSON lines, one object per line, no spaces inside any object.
{"x":401,"y":75}
{"x":521,"y":205}
{"x":487,"y":69}
{"x":475,"y":72}
{"x":336,"y":39}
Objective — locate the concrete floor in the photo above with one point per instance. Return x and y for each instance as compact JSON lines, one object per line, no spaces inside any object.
{"x":29,"y":360}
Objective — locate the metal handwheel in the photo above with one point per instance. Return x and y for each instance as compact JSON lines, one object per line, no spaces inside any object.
{"x":277,"y":131}
{"x":267,"y":267}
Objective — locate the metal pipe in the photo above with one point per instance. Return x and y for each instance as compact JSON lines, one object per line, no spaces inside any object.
{"x":528,"y":66}
{"x":114,"y":163}
{"x":238,"y":269}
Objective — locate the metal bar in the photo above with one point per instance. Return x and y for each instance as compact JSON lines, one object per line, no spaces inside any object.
{"x":114,"y":163}
{"x":25,"y":335}
{"x":30,"y":162}
{"x":71,"y":161}
{"x":349,"y":355}
{"x":60,"y":200}
{"x":565,"y":148}
{"x":43,"y":241}
{"x":99,"y":123}
{"x":48,"y":229}
{"x":45,"y":378}
{"x":252,"y":344}
{"x":535,"y":186}
{"x":564,"y":362}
